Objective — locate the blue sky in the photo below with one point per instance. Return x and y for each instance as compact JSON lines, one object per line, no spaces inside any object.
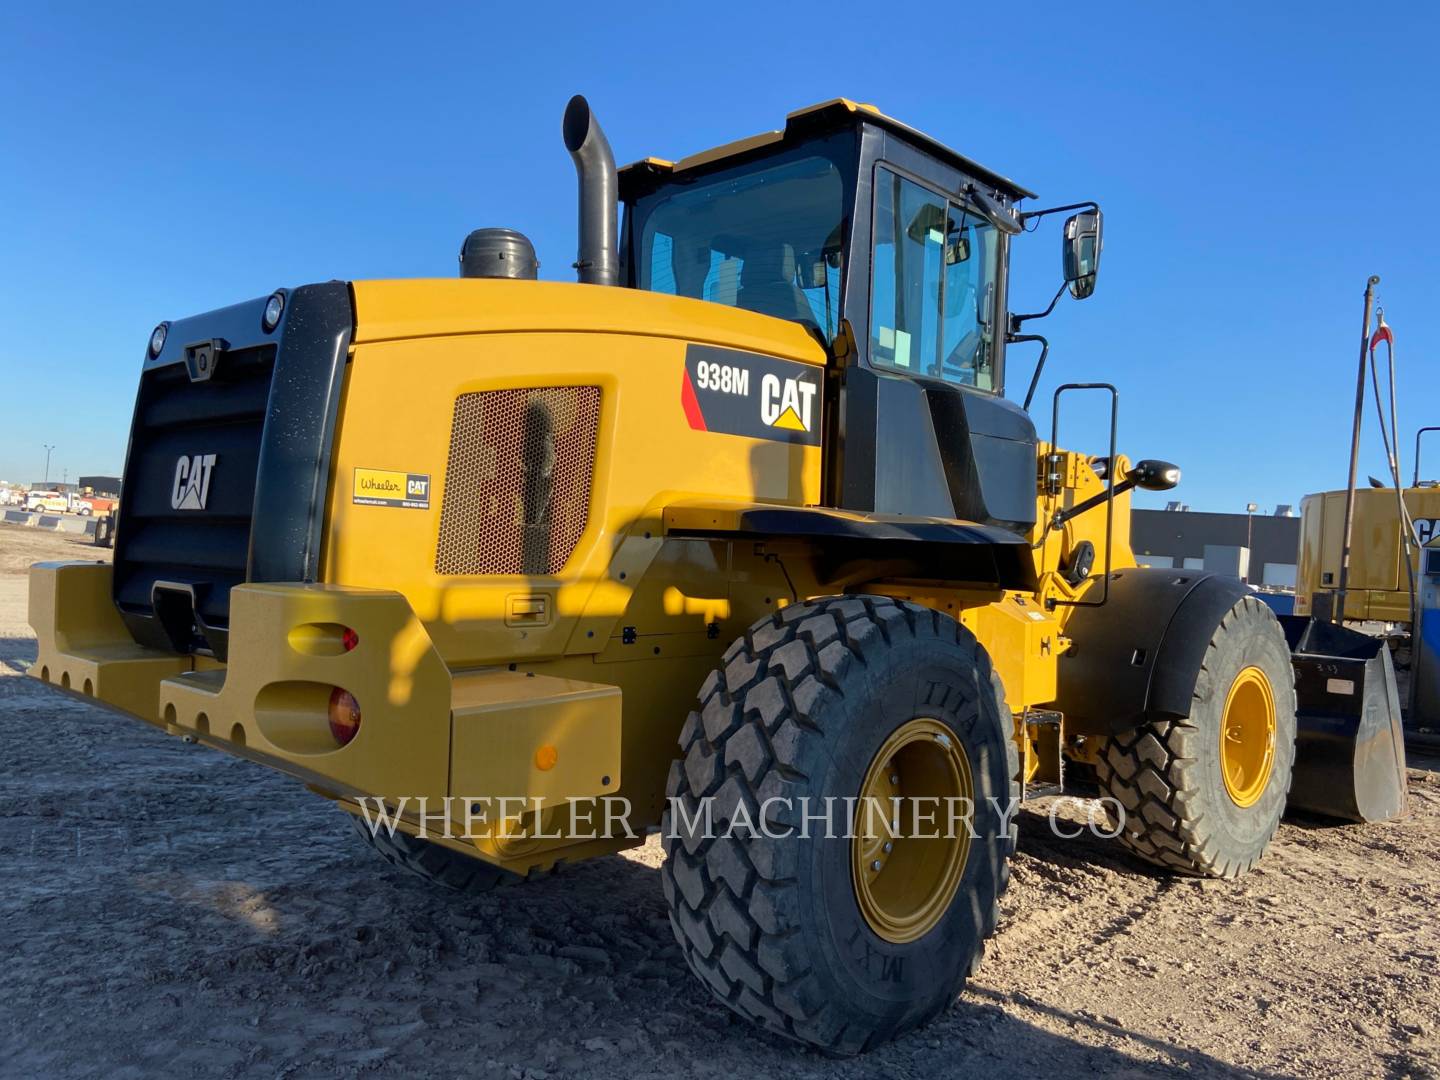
{"x":1255,"y":163}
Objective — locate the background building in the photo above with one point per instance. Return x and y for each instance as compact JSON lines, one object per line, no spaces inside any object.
{"x":1261,"y":548}
{"x":101,"y":485}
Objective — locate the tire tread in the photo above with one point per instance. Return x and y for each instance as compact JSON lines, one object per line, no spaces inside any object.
{"x":729,"y":898}
{"x":1151,"y":772}
{"x":434,"y":862}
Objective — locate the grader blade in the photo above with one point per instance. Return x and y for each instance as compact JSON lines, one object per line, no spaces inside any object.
{"x":1350,"y":749}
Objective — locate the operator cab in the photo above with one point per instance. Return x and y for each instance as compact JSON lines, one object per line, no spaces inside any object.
{"x":893,"y":251}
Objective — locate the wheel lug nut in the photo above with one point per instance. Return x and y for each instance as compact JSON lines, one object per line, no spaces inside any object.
{"x":888,"y":847}
{"x":875,"y":865}
{"x":894,"y":778}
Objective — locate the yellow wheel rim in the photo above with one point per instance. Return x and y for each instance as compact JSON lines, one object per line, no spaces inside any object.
{"x":1247,"y":737}
{"x":906,"y":877}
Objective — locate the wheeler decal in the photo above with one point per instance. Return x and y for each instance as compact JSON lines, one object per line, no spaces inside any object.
{"x":388,"y":487}
{"x":742,"y":393}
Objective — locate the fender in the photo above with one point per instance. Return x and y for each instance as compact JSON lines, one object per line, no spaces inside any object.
{"x":932,"y":547}
{"x":1135,"y":658}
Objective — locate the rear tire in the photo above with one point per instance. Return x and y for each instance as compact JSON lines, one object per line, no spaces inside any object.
{"x":1181,"y":811}
{"x":435,"y":862}
{"x":803,"y":707}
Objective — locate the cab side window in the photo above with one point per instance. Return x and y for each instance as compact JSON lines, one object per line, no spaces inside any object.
{"x":933,"y":285}
{"x":972,"y":256}
{"x":906,"y":271}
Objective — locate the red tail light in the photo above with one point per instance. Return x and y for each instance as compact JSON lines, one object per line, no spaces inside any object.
{"x":349,"y":639}
{"x":344,"y":715}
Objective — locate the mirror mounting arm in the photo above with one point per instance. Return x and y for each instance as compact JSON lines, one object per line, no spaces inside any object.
{"x":1031,"y":215}
{"x":1081,"y":264}
{"x":1016,"y":321}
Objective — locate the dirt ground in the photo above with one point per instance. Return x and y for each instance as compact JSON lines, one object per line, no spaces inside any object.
{"x":168,"y":910}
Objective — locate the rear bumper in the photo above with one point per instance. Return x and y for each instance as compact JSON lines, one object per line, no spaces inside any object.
{"x":426,"y":733}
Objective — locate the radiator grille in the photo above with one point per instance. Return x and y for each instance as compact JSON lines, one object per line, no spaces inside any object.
{"x":208,"y":548}
{"x":517,"y":486}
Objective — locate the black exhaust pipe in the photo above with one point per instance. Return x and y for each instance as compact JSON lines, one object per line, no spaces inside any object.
{"x":599,"y":259}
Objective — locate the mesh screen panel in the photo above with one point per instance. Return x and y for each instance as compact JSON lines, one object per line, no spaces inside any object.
{"x":517,"y":486}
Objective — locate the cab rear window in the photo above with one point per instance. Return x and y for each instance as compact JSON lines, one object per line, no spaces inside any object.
{"x":765,"y":237}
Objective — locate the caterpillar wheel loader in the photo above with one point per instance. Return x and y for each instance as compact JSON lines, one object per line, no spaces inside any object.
{"x":738,"y":529}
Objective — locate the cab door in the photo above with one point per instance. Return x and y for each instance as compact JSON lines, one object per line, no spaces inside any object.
{"x":945,"y":442}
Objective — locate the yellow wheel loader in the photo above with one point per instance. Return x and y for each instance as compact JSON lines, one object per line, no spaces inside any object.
{"x":737,"y":538}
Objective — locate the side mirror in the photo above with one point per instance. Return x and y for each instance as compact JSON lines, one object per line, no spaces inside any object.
{"x":1081,"y":252}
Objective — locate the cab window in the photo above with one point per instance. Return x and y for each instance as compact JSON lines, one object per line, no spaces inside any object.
{"x":933,"y":285}
{"x":765,"y":237}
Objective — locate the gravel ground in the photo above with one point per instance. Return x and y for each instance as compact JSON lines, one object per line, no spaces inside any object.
{"x":168,"y":910}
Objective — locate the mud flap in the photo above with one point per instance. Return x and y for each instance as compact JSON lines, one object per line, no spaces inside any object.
{"x":1350,"y":749}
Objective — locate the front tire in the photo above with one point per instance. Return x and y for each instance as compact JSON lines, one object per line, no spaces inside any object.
{"x":777,"y":920}
{"x":1204,"y":795}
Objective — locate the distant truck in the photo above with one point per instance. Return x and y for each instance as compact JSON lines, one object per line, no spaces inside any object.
{"x":85,"y":505}
{"x":50,"y":502}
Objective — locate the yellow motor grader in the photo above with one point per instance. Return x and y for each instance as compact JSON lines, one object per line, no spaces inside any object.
{"x":752,"y":486}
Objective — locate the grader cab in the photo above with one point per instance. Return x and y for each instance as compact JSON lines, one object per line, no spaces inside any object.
{"x":495,"y":545}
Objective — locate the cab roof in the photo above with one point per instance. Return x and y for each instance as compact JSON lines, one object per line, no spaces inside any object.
{"x":641,"y":177}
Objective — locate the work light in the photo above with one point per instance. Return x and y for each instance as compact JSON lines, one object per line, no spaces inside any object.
{"x":274,"y":308}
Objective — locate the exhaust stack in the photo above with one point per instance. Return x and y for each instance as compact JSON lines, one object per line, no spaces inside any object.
{"x":598,"y":261}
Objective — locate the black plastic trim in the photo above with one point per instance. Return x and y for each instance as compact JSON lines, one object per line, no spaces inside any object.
{"x":945,"y":550}
{"x":294,"y":469}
